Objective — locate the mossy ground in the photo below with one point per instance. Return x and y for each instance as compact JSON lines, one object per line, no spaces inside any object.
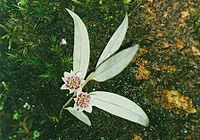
{"x":168,"y":60}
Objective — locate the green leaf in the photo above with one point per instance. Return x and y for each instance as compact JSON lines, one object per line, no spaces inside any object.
{"x":115,"y":64}
{"x":80,"y":115}
{"x":81,"y":53}
{"x":114,"y":42}
{"x":119,"y":106}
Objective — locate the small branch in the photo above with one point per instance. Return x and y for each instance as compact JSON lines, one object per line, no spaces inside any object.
{"x":90,"y":76}
{"x":63,"y":107}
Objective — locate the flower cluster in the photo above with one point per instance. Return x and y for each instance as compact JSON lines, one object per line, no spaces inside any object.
{"x":72,"y":82}
{"x":83,"y":102}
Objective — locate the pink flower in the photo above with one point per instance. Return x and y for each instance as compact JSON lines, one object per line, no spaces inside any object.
{"x":72,"y":81}
{"x":83,"y":102}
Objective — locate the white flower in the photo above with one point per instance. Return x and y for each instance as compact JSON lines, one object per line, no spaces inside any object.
{"x":72,"y":81}
{"x":83,"y":102}
{"x":63,"y":41}
{"x":27,"y":106}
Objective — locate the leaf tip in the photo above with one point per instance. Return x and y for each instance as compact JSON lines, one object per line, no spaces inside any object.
{"x":147,"y":123}
{"x":69,"y":11}
{"x":137,"y":46}
{"x":126,"y":16}
{"x":146,"y":120}
{"x":89,"y":124}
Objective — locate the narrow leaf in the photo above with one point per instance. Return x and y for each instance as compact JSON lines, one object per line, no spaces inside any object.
{"x":119,"y":106}
{"x":114,"y":42}
{"x":81,"y":53}
{"x":115,"y":64}
{"x":80,"y":115}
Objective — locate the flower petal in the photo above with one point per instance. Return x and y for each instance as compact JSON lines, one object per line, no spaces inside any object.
{"x":71,"y":90}
{"x":77,"y":108}
{"x":63,"y":79}
{"x":66,"y":74}
{"x":72,"y":72}
{"x":88,"y":109}
{"x":78,"y":90}
{"x":64,"y":87}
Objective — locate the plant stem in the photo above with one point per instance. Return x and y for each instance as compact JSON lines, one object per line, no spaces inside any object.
{"x":87,"y":79}
{"x":63,"y":107}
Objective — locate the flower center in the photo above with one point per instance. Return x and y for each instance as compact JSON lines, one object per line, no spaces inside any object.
{"x":73,"y":82}
{"x":83,"y":100}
